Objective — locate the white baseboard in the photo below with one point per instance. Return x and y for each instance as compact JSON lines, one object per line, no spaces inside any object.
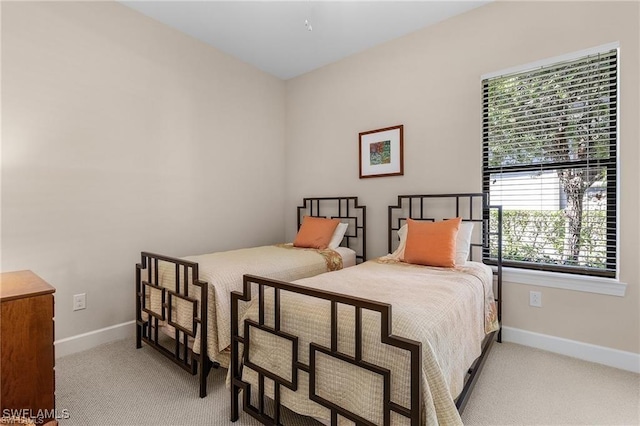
{"x":85,"y":341}
{"x":602,"y":355}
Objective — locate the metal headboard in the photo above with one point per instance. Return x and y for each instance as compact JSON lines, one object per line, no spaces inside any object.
{"x":347,"y":210}
{"x":470,"y":207}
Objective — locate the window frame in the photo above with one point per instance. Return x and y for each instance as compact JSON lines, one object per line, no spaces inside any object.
{"x":612,"y":163}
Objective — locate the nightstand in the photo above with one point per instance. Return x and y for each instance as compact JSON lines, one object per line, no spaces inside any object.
{"x":27,"y":379}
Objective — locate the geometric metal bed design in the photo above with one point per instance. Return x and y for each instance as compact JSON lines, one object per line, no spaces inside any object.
{"x":470,"y":206}
{"x":187,"y":280}
{"x":347,"y":210}
{"x":148,"y":331}
{"x":259,"y":412}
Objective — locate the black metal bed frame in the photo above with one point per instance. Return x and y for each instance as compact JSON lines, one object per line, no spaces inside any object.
{"x":237,"y":384}
{"x":186,"y":272}
{"x":347,"y":209}
{"x":238,"y":359}
{"x":148,"y":330}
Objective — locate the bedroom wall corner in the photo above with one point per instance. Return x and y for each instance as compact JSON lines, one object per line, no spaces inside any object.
{"x":120,"y":135}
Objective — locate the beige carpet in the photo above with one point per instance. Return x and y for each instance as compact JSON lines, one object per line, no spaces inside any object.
{"x":115,"y":384}
{"x":524,"y":386}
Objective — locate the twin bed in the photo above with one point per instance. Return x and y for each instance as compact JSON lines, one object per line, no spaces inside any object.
{"x":329,"y":348}
{"x":183,"y":304}
{"x":327,"y":345}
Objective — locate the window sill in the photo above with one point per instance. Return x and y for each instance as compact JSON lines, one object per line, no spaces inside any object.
{"x":608,"y":286}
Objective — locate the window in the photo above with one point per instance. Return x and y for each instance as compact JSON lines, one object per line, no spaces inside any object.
{"x":549,"y":158}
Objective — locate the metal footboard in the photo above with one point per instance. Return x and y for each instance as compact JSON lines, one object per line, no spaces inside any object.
{"x":170,"y":297}
{"x":240,"y":358}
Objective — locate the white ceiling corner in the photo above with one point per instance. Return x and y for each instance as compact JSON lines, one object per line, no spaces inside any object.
{"x":272,"y":35}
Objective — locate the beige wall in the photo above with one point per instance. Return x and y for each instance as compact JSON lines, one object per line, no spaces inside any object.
{"x":120,"y":135}
{"x":108,"y":115}
{"x":430,"y":82}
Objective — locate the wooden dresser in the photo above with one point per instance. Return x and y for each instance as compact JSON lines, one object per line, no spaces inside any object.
{"x":27,"y":380}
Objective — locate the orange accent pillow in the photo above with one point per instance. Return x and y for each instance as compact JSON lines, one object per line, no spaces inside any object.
{"x":315,"y":232}
{"x":432,"y":243}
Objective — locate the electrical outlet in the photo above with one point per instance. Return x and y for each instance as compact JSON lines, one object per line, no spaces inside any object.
{"x":79,"y":301}
{"x":535,"y":299}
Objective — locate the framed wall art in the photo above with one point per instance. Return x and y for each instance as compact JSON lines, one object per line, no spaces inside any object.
{"x":381,"y":152}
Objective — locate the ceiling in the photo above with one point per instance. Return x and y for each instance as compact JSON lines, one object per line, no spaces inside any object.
{"x":274,"y":36}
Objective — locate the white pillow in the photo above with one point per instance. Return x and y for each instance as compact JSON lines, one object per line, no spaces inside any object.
{"x":338,"y":235}
{"x":398,"y":254}
{"x":463,"y":240}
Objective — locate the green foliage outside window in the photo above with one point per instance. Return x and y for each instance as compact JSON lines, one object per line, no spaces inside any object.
{"x":539,"y":237}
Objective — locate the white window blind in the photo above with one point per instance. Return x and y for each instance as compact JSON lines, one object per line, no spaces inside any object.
{"x":550,"y":158}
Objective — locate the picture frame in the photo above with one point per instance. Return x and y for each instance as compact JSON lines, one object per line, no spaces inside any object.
{"x":381,"y":152}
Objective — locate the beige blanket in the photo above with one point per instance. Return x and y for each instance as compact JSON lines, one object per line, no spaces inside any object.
{"x":448,"y":310}
{"x":223,"y":271}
